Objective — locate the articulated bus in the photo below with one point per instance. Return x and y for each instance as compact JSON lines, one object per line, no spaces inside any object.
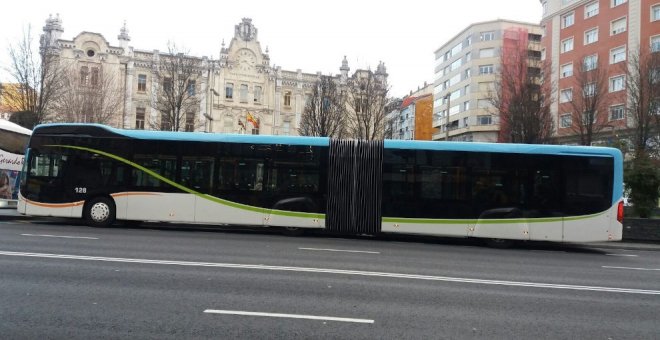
{"x":13,"y":141}
{"x":493,"y":191}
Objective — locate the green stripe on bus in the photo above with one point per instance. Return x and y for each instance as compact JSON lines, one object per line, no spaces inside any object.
{"x":488,"y":221}
{"x":196,"y":193}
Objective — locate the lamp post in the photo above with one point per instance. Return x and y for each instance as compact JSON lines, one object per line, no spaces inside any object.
{"x":448,"y":98}
{"x":209,"y":114}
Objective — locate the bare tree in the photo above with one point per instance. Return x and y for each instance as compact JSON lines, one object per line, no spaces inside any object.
{"x":366,"y":101}
{"x":522,"y":98}
{"x":38,"y":75}
{"x":324,"y":113}
{"x":643,"y":85}
{"x":589,"y":104}
{"x":176,"y":97}
{"x":90,"y":94}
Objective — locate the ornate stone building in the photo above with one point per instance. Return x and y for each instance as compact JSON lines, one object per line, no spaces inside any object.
{"x":239,"y":92}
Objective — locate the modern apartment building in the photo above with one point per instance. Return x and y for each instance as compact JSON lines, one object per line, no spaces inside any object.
{"x":466,"y":72}
{"x":595,"y":35}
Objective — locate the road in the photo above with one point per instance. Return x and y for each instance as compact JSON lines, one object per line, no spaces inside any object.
{"x":62,"y":280}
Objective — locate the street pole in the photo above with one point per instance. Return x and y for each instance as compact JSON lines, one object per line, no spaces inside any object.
{"x":448,"y":97}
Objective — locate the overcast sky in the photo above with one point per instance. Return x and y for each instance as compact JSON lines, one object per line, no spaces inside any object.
{"x":308,"y":35}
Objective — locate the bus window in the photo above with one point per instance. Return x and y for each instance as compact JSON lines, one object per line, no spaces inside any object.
{"x":161,"y":165}
{"x":197,"y":173}
{"x":239,"y":174}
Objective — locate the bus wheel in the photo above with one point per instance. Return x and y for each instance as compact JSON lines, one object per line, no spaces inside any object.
{"x":100,"y":212}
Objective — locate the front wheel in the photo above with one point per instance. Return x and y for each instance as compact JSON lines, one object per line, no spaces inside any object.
{"x":100,"y":212}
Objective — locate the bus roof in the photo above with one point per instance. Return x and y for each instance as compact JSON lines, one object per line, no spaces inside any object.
{"x":9,"y":126}
{"x":97,"y":129}
{"x":104,"y":130}
{"x":545,"y":149}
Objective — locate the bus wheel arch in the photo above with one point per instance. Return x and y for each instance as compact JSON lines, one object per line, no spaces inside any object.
{"x":100,"y":211}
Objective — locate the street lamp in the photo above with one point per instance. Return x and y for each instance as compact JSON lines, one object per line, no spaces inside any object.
{"x":448,"y":98}
{"x":210,"y":109}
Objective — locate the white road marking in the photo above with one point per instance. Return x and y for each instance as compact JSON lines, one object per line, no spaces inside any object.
{"x":338,"y":271}
{"x":292,"y":316}
{"x":626,"y":255}
{"x":62,"y":236}
{"x":342,"y":250}
{"x":631,"y":268}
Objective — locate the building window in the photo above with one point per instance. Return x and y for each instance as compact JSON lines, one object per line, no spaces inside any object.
{"x":190,"y":121}
{"x":167,"y":85}
{"x":142,"y":82}
{"x":591,"y":36}
{"x":618,"y":2}
{"x":468,"y":41}
{"x":287,"y":98}
{"x":244,"y":93}
{"x":466,"y":106}
{"x":487,"y":36}
{"x":543,"y":54}
{"x":486,"y":52}
{"x":590,"y":62}
{"x":468,"y":56}
{"x":617,"y":83}
{"x":139,"y":118}
{"x":257,"y":94}
{"x":566,"y":120}
{"x":191,"y":87}
{"x":84,"y":75}
{"x":229,"y":91}
{"x":566,"y":70}
{"x":456,"y":64}
{"x":484,"y":120}
{"x":486,"y":69}
{"x":589,"y":90}
{"x":95,"y":76}
{"x":565,"y":95}
{"x":618,"y":26}
{"x":591,"y":10}
{"x":617,"y":55}
{"x":467,"y":73}
{"x":165,"y":123}
{"x":567,"y":45}
{"x":568,"y":20}
{"x":655,"y":43}
{"x":655,"y":13}
{"x":616,"y":112}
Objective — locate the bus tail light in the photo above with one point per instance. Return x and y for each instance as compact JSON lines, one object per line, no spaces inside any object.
{"x":619,"y":213}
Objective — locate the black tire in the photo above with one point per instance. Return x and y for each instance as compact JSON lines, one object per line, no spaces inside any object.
{"x":100,"y":212}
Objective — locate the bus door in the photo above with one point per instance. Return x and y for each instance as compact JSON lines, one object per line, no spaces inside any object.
{"x":45,"y":190}
{"x":292,"y":188}
{"x":238,"y":195}
{"x":498,"y":195}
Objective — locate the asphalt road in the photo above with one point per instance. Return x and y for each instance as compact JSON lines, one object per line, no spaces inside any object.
{"x":59,"y":280}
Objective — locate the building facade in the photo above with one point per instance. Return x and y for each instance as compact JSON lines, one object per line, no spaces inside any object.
{"x":591,"y":35}
{"x":411,"y":119}
{"x":466,"y":73}
{"x":238,"y":92}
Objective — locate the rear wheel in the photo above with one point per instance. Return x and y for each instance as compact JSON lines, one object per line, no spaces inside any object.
{"x":100,"y":212}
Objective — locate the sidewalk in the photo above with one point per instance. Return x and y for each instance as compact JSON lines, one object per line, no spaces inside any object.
{"x":8,"y":214}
